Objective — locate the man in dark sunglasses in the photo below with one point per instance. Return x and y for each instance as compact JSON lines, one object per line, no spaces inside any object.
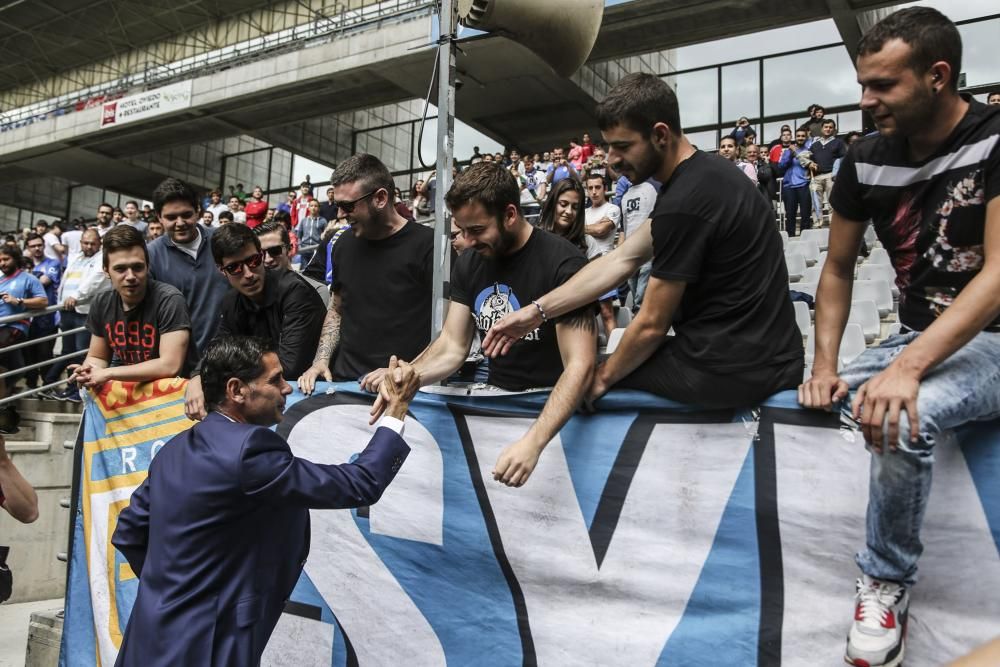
{"x":277,"y":305}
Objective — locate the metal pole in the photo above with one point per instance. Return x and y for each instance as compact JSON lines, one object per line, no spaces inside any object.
{"x":445,"y":147}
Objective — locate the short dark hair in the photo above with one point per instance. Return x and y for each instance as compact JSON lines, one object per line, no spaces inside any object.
{"x":41,"y":223}
{"x":103,"y":204}
{"x":639,"y":101}
{"x":240,"y":357}
{"x":828,"y":121}
{"x":283,"y":218}
{"x":123,"y":237}
{"x":13,"y":251}
{"x":228,"y":240}
{"x":32,"y":236}
{"x":365,"y":169}
{"x":487,"y":183}
{"x":272,"y":226}
{"x":173,"y":189}
{"x":930,"y":34}
{"x":802,"y":129}
{"x":594,"y":174}
{"x":992,"y":93}
{"x":133,"y":202}
{"x":228,"y":215}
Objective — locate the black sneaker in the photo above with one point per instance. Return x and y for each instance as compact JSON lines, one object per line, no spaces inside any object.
{"x":71,"y":395}
{"x":9,"y":420}
{"x":50,"y":394}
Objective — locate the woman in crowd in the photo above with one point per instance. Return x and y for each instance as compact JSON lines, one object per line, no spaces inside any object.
{"x":255,"y":208}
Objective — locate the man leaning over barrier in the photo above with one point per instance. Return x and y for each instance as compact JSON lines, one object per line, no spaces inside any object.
{"x":930,"y":184}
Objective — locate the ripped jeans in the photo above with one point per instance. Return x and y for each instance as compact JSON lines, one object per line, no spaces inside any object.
{"x":964,"y":388}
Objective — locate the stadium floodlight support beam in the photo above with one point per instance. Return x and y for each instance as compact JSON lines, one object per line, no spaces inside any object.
{"x":445,"y":146}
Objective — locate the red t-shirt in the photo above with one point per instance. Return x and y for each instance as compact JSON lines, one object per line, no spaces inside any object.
{"x":256,"y":211}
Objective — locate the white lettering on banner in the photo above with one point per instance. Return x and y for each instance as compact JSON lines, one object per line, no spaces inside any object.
{"x":128,"y":459}
{"x":97,"y":559}
{"x":663,"y":536}
{"x":155,"y":449}
{"x":340,"y":556}
{"x":291,"y":634}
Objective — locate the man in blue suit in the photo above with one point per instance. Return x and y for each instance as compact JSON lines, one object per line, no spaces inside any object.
{"x":219,"y":531}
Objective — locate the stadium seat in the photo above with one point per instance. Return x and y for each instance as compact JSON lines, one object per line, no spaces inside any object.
{"x":879,"y":256}
{"x":870,"y":237}
{"x":784,"y":237}
{"x":820,"y":236}
{"x":796,"y":264}
{"x":877,"y":291}
{"x":623,"y":316}
{"x":893,"y":329}
{"x":802,"y":317}
{"x":804,"y":287}
{"x":808,"y":249}
{"x":884,"y":272}
{"x":851,"y":345}
{"x":866,"y":314}
{"x":614,"y":339}
{"x":811,"y":274}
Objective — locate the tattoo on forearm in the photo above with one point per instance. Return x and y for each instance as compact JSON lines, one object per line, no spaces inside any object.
{"x":329,"y":338}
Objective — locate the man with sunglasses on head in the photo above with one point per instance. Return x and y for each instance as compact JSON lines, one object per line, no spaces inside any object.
{"x":275,"y":305}
{"x":381,"y":279}
{"x":276,"y":243}
{"x":182,"y":257}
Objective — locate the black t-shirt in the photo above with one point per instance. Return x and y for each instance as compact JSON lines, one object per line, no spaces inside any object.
{"x":134,"y":335}
{"x":491,"y":288}
{"x":929,"y":215}
{"x":713,"y":231}
{"x":385,"y":290}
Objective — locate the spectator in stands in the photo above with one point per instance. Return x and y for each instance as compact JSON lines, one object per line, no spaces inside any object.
{"x":239,"y":193}
{"x":765,"y":175}
{"x":993,"y":97}
{"x":154,"y":230}
{"x":105,"y":219}
{"x":535,"y":182}
{"x":777,"y":149}
{"x":561,"y":168}
{"x":226,"y":217}
{"x":794,"y":164}
{"x":285,"y":220}
{"x":17,"y":496}
{"x":587,"y":149}
{"x":207,"y":219}
{"x":236,"y":210}
{"x":602,"y":217}
{"x":781,"y":140}
{"x":939,"y":221}
{"x":328,"y":209}
{"x":300,"y":207}
{"x":54,"y":248}
{"x":718,"y":273}
{"x":488,"y":157}
{"x":182,"y":258}
{"x":739,"y":132}
{"x":147,"y":213}
{"x":276,"y":305}
{"x":286,"y":205}
{"x":132,"y":216}
{"x":730,"y":151}
{"x":117,"y":216}
{"x":215,"y":206}
{"x":140,"y":329}
{"x":49,"y":272}
{"x":41,"y":227}
{"x":20,"y":292}
{"x":256,"y":207}
{"x":637,"y":204}
{"x":814,"y":124}
{"x":417,"y":200}
{"x":826,"y":149}
{"x":275,"y":244}
{"x":381,"y":279}
{"x":83,"y":280}
{"x":71,"y":239}
{"x":851,"y":137}
{"x":513,"y":263}
{"x":310,"y":230}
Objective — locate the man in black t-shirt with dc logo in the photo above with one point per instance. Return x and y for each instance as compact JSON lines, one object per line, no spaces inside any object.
{"x":140,"y":329}
{"x":929,"y":182}
{"x":512,"y":265}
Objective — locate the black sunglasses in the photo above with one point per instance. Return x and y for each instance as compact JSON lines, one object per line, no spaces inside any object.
{"x":274,"y":251}
{"x":251,"y":262}
{"x":348,"y":206}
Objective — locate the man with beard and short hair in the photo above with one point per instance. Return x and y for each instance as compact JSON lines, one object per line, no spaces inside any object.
{"x":382,"y":274}
{"x":20,"y":292}
{"x":49,"y":273}
{"x":929,"y":181}
{"x":826,"y":149}
{"x":718,"y":273}
{"x":182,"y":257}
{"x":512,"y":264}
{"x":83,"y":280}
{"x":276,"y":305}
{"x":794,"y":164}
{"x":105,"y":219}
{"x":154,"y":230}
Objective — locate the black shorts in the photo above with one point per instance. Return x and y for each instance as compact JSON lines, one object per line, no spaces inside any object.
{"x":680,"y":379}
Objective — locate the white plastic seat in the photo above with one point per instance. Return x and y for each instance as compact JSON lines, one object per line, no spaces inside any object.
{"x":879,"y":256}
{"x":821,"y":236}
{"x":852,"y":344}
{"x":811,"y":274}
{"x":865,"y":313}
{"x":808,"y":249}
{"x":614,"y":339}
{"x":802,"y":317}
{"x":623,"y":317}
{"x":796,"y":264}
{"x":893,"y":329}
{"x":874,"y":290}
{"x":884,"y":272}
{"x":805,"y":288}
{"x":870,"y":237}
{"x":784,"y":237}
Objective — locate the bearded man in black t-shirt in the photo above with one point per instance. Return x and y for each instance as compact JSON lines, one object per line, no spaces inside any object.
{"x":930,"y":184}
{"x":510,"y":265}
{"x":718,"y":272}
{"x":140,"y":329}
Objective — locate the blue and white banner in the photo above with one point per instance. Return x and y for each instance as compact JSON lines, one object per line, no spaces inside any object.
{"x":649,"y":534}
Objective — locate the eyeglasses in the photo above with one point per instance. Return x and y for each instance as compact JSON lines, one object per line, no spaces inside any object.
{"x":348,"y":206}
{"x":274,"y":251}
{"x":236,"y":268}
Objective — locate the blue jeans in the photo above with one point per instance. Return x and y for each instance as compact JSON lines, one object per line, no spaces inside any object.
{"x":798,"y":198}
{"x":637,"y":285}
{"x":962,"y":389}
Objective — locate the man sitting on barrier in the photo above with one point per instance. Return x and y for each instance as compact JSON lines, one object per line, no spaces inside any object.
{"x":140,"y":329}
{"x":930,"y":184}
{"x":276,"y":305}
{"x":218,"y":533}
{"x":718,"y":271}
{"x":513,"y":264}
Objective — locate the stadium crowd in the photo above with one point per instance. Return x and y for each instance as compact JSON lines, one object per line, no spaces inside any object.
{"x":552,"y":253}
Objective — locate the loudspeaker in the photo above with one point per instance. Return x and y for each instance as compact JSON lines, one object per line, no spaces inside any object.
{"x":560,"y":32}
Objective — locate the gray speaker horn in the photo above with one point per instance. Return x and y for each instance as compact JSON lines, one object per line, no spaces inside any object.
{"x":560,"y":32}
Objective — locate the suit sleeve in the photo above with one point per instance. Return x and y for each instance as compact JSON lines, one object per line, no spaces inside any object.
{"x":270,"y":473}
{"x":131,"y":536}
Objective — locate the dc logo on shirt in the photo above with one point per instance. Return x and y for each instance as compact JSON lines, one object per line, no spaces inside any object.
{"x":632,"y":205}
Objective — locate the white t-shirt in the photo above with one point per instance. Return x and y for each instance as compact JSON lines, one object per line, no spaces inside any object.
{"x":637,"y":205}
{"x":612,"y":213}
{"x":216,"y":209}
{"x":71,"y":240}
{"x":50,"y":245}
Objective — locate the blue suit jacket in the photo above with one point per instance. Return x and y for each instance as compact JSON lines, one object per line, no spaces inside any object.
{"x":218,"y":534}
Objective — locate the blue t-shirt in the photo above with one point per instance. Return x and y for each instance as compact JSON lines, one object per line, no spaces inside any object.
{"x":51,"y":269}
{"x":558,"y":173}
{"x":21,"y":285}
